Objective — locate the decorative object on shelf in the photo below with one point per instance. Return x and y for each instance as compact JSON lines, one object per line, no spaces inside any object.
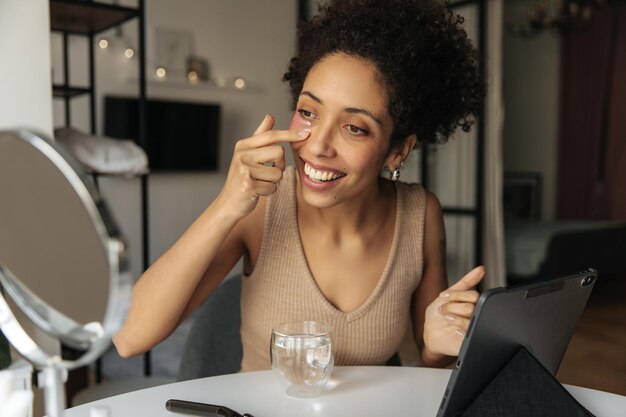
{"x":197,"y":69}
{"x":555,"y":15}
{"x":103,"y":155}
{"x":521,"y":196}
{"x":173,"y":48}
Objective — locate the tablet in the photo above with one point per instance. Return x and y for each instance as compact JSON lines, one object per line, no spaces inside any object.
{"x":540,"y":316}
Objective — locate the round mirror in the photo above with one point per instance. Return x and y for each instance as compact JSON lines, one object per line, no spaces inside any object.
{"x":62,"y":259}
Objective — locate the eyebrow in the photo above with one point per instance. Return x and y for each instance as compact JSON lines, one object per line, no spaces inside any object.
{"x":354,"y":110}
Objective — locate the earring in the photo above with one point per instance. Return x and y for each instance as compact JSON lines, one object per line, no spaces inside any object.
{"x":395,"y":174}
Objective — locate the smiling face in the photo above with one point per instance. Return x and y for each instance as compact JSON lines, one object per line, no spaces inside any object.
{"x":350,"y":130}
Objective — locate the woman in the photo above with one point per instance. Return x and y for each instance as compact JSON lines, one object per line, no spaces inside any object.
{"x":329,"y":239}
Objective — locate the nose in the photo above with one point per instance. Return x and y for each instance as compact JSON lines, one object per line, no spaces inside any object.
{"x":321,"y":141}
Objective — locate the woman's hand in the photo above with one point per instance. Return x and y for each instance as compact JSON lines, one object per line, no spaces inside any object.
{"x":448,"y":316}
{"x":256,"y":167}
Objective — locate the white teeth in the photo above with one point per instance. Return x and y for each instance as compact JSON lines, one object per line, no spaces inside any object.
{"x":317,"y":175}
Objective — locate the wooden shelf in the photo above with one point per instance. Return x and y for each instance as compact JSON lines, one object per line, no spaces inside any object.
{"x":84,"y":17}
{"x":62,"y":91}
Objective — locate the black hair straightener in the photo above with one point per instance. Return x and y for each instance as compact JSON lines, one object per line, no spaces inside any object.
{"x":202,"y":409}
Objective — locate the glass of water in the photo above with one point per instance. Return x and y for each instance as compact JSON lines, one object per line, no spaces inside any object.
{"x":302,"y":353}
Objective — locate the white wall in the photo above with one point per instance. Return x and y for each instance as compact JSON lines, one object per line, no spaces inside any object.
{"x":253,"y":40}
{"x":531,"y":93}
{"x":25,"y":94}
{"x":25,"y":89}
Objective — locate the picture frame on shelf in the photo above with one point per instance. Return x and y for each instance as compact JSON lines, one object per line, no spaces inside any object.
{"x":173,"y":47}
{"x":522,"y":195}
{"x":197,"y":69}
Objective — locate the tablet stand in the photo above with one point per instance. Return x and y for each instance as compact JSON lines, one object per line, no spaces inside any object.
{"x":522,"y":388}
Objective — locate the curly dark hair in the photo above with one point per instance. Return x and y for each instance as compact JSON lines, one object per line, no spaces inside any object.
{"x":424,"y":59}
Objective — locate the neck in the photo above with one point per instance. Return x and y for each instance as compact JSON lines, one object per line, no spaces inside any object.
{"x":363,"y":216}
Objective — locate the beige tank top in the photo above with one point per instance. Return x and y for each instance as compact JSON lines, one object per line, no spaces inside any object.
{"x":281,"y":288}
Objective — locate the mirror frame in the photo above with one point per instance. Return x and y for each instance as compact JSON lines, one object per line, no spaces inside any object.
{"x":92,"y":338}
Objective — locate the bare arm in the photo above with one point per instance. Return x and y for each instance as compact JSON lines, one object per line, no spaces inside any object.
{"x":434,"y":279}
{"x":441,"y":315}
{"x":195,"y":265}
{"x":163,"y":292}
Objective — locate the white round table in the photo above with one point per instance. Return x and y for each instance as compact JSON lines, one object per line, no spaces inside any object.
{"x":352,"y":392}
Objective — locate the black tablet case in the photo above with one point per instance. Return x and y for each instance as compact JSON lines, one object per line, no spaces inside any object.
{"x":524,"y":388}
{"x":540,"y":316}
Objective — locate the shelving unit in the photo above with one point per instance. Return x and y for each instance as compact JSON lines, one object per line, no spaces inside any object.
{"x":62,"y":91}
{"x":86,"y":19}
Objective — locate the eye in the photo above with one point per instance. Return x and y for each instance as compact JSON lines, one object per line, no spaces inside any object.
{"x":355,"y":130}
{"x":306,"y":114}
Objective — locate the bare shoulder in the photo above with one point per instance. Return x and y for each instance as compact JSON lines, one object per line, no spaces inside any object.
{"x":434,"y":230}
{"x":433,"y":207}
{"x":434,"y":213}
